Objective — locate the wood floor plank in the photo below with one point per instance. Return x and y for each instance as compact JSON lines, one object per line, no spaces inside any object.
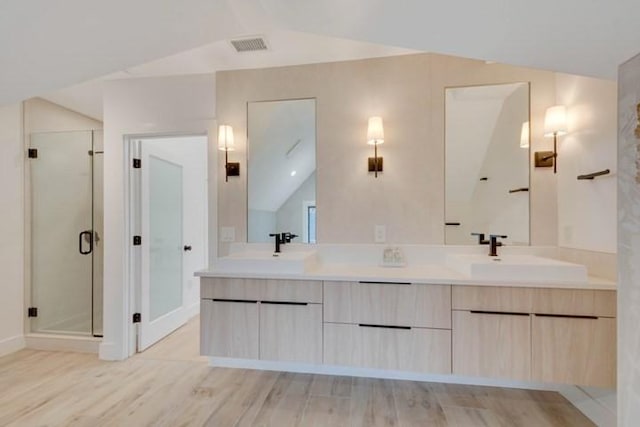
{"x":329,"y":385}
{"x":372,"y":403}
{"x":325,"y":411}
{"x":285,"y":402}
{"x":417,"y":404}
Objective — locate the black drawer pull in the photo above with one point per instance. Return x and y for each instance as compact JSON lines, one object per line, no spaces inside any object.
{"x":454,"y":224}
{"x":365,"y":282}
{"x":503,"y":313}
{"x":567,"y":316}
{"x":366,"y":325}
{"x":284,"y":303}
{"x":246,"y":301}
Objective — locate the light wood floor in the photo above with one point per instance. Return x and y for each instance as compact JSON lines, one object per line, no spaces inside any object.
{"x":170,"y":385}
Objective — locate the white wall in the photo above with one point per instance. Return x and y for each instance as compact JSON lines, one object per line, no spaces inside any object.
{"x":587,"y":210}
{"x":183,"y":104}
{"x":12,"y":305}
{"x":43,"y":116}
{"x":629,"y":244}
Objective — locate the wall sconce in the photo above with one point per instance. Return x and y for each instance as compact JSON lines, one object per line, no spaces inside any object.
{"x":555,"y":125}
{"x":524,"y":135}
{"x":226,"y":144}
{"x":375,"y":136}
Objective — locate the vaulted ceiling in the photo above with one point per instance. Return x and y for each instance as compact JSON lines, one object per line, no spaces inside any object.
{"x":46,"y":45}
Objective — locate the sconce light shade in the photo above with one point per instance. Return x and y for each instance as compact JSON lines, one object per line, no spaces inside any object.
{"x":225,"y":143}
{"x":225,"y":138}
{"x":375,"y":137}
{"x":524,"y":135}
{"x":555,"y":121}
{"x":375,"y":131}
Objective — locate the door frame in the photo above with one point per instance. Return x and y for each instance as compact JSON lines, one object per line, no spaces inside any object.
{"x":132,"y":225}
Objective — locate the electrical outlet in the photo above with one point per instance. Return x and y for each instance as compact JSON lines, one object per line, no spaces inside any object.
{"x":227,"y":234}
{"x":380,"y":233}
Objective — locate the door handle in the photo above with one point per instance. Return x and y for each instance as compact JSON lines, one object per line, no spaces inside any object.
{"x":187,"y":248}
{"x":88,"y":235}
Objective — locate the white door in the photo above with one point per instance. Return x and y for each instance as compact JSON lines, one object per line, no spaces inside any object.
{"x":173,"y":230}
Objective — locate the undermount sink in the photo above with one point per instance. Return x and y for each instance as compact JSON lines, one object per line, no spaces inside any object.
{"x":517,"y":268}
{"x":297,"y":262}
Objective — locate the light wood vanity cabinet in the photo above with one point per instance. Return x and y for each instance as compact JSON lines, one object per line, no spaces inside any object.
{"x":496,"y":345}
{"x":400,"y":304}
{"x":549,"y":335}
{"x":291,"y":332}
{"x":516,"y":333}
{"x":398,"y":326}
{"x":229,"y":329}
{"x":574,"y":337}
{"x":277,"y":320}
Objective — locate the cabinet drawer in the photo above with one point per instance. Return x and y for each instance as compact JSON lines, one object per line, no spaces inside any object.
{"x":577,"y":302}
{"x":574,"y":350}
{"x":492,"y":345}
{"x":291,"y":333}
{"x":261,"y":289}
{"x":229,"y":329}
{"x":414,"y":349}
{"x":388,"y":304}
{"x":492,"y":298}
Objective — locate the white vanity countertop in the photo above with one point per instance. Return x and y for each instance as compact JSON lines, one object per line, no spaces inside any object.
{"x":424,"y":274}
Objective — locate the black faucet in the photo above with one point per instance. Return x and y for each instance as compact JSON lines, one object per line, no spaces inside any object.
{"x":288,"y":237}
{"x":481,"y":239}
{"x":282,"y":238}
{"x":493,"y":243}
{"x":279,"y":240}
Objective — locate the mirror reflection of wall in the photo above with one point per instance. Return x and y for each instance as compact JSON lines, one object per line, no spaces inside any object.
{"x":282,"y":169}
{"x":487,"y":163}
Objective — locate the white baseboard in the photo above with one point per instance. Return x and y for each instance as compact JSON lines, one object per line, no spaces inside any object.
{"x":587,"y":403}
{"x":63,"y":343}
{"x":193,"y":310}
{"x":10,"y":345}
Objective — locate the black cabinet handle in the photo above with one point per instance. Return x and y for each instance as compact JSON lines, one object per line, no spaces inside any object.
{"x":365,"y":282}
{"x":187,"y":248}
{"x":567,"y":316}
{"x":88,"y":235}
{"x":367,"y":325}
{"x":245,"y":301}
{"x":500,"y":313}
{"x":284,"y":303}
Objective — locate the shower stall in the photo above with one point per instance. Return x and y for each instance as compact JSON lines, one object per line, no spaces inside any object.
{"x":66,"y":238}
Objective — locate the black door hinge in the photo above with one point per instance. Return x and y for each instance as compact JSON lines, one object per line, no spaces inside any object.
{"x":32,"y":153}
{"x":137,"y":318}
{"x":32,"y":312}
{"x":137,"y":240}
{"x":137,"y":163}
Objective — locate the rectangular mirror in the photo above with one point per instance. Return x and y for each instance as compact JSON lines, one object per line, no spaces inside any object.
{"x":487,"y":163}
{"x":281,"y":170}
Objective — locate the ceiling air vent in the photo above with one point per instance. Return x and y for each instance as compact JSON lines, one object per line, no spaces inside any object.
{"x":252,"y":44}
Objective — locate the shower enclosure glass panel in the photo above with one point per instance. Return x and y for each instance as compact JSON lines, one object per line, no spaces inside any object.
{"x":66,"y":245}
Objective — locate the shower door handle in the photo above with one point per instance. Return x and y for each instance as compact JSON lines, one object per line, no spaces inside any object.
{"x":88,"y":235}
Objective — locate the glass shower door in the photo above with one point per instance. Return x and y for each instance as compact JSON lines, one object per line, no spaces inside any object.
{"x":62,"y":236}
